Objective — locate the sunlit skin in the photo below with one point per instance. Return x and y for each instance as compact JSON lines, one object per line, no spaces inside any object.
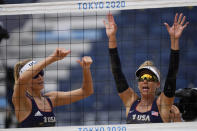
{"x":37,"y":84}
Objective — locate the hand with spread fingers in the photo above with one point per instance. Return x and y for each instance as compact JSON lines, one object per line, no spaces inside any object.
{"x":148,"y":77}
{"x":176,"y":30}
{"x":178,"y":26}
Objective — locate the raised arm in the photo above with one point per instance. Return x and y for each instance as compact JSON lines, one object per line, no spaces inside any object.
{"x":25,"y":79}
{"x":127,"y":95}
{"x":111,"y":29}
{"x":176,"y":30}
{"x":62,"y":98}
{"x":167,"y":97}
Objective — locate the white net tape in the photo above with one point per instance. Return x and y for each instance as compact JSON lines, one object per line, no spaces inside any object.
{"x":101,"y":6}
{"x":189,"y":126}
{"x":86,"y":6}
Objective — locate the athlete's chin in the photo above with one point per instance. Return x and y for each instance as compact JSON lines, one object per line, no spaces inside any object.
{"x":39,"y":87}
{"x":146,"y":93}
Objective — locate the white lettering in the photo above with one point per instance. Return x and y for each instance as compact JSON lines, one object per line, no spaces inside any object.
{"x":147,"y":118}
{"x":134,"y":116}
{"x":141,"y":117}
{"x":49,"y":119}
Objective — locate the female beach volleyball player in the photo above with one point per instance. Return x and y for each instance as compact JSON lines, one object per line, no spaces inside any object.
{"x":33,"y":109}
{"x":147,"y":108}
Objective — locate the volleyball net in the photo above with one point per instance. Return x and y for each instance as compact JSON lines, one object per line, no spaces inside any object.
{"x":36,"y":30}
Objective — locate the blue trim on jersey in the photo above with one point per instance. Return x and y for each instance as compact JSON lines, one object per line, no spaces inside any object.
{"x":136,"y":117}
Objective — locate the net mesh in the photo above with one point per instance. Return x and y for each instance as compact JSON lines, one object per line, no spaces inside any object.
{"x":141,"y":36}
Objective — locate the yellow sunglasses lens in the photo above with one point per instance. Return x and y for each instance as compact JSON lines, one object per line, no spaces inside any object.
{"x":147,"y":76}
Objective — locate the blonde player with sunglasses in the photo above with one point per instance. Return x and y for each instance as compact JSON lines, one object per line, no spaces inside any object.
{"x":34,"y":109}
{"x":147,"y":108}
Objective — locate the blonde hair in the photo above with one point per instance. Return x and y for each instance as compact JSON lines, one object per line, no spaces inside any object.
{"x":18,"y":67}
{"x":149,"y":63}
